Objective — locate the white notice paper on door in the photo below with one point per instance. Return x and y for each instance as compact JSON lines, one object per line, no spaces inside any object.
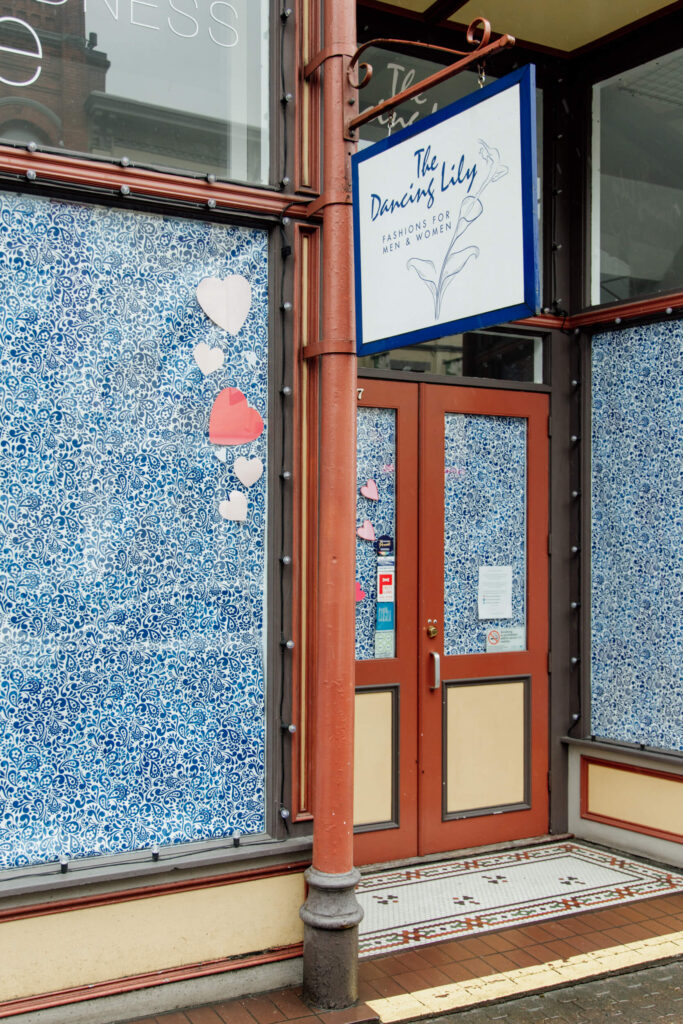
{"x":494,"y":596}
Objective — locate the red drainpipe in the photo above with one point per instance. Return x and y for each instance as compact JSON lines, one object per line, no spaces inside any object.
{"x":331,"y":913}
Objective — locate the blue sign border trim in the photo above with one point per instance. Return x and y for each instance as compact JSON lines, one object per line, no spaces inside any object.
{"x":526,"y":78}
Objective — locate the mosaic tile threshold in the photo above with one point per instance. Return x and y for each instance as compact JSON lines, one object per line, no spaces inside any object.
{"x":411,"y":907}
{"x":477,"y":971}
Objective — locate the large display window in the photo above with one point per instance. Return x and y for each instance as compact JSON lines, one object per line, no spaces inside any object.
{"x":176,"y":84}
{"x":133,"y":521}
{"x":636,"y":524}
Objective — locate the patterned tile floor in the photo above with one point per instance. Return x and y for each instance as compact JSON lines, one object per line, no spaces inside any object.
{"x":410,"y":907}
{"x":479,"y":969}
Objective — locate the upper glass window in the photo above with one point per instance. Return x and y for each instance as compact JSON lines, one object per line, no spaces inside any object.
{"x":637,"y":193}
{"x":496,"y":355}
{"x":179,"y":84}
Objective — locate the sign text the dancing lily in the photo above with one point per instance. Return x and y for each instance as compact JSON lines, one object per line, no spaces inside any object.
{"x":445,"y":220}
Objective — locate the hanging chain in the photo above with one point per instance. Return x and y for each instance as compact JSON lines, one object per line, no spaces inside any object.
{"x":481,"y":69}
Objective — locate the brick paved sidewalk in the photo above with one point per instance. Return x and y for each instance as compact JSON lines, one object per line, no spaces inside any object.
{"x":486,"y":969}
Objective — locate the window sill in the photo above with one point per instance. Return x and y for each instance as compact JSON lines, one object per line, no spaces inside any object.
{"x":631,"y":749}
{"x":175,"y":865}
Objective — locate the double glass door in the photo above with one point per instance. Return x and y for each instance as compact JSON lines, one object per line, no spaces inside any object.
{"x":451,"y":618}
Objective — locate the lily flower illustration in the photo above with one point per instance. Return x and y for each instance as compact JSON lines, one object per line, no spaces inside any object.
{"x":471,"y":208}
{"x":495,"y":168}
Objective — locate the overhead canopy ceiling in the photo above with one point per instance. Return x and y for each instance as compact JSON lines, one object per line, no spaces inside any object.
{"x":559,"y":24}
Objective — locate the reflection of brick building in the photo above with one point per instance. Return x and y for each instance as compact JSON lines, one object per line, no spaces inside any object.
{"x":51,"y":110}
{"x":67,"y":105}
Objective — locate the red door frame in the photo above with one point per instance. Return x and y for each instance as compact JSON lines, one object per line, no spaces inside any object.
{"x":399,"y":840}
{"x":479,"y":830}
{"x":419,"y":549}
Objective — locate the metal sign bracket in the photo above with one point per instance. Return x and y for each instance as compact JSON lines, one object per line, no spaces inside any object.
{"x":482,"y":49}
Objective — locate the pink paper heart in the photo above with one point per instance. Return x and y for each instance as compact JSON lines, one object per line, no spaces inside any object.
{"x":360,"y":594}
{"x":369,"y":490}
{"x":233,"y":420}
{"x":225,"y":302}
{"x":366,"y":531}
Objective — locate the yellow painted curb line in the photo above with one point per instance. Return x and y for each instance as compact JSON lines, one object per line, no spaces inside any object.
{"x":508,"y":984}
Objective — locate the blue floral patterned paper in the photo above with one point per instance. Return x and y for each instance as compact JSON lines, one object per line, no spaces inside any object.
{"x":131,"y":631}
{"x":637,"y":536}
{"x":376,"y":461}
{"x":485,"y":522}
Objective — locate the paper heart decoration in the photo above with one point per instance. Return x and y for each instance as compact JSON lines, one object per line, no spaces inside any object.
{"x":366,"y":531}
{"x":225,"y":302}
{"x":235,"y":508}
{"x":360,"y":594}
{"x":248,"y":471}
{"x":232,"y":419}
{"x":369,"y":490}
{"x":208,"y":359}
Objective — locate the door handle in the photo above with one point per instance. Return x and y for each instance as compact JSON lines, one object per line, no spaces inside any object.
{"x":437,"y":670}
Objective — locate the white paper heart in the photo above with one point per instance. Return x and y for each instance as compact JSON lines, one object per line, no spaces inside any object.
{"x":220,"y":453}
{"x":248,"y":471}
{"x":208,"y":359}
{"x":235,"y":508}
{"x":225,"y":302}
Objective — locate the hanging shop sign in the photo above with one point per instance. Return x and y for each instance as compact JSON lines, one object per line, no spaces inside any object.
{"x":445,"y":220}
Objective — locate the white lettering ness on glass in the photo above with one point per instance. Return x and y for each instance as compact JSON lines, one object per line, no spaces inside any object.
{"x":176,"y":16}
{"x":223,"y":17}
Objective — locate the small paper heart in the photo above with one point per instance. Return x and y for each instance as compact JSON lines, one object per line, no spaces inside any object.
{"x":360,"y":594}
{"x":233,"y":420}
{"x":220,"y":453}
{"x":225,"y":302}
{"x":369,"y":490}
{"x":235,"y":508}
{"x":366,"y":531}
{"x":248,"y":471}
{"x":208,"y":359}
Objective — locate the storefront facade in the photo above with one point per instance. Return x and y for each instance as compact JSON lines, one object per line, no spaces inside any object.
{"x":183,"y":734}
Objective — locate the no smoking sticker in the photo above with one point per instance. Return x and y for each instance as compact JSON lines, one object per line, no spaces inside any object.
{"x":505,"y":638}
{"x":493,"y":638}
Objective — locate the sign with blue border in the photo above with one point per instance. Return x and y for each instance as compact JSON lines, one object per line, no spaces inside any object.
{"x":445,"y":220}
